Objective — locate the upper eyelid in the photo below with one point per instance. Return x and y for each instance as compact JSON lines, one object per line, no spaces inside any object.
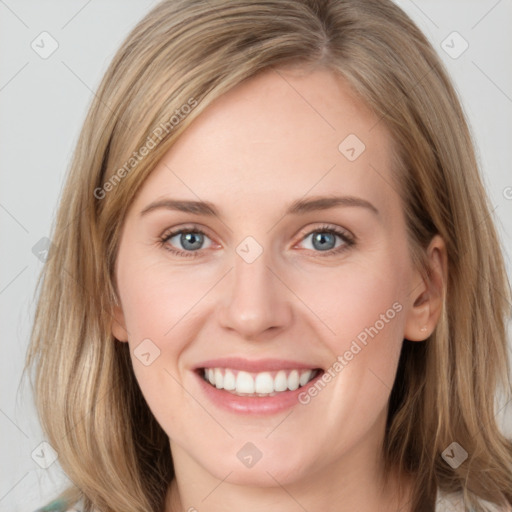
{"x":303,"y":233}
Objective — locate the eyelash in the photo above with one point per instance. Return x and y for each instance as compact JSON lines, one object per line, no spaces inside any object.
{"x":349,"y":241}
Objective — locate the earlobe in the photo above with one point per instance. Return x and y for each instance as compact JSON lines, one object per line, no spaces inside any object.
{"x":118,"y":326}
{"x":419,"y":324}
{"x":428,"y":298}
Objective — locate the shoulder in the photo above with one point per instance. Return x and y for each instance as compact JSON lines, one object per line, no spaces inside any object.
{"x":61,"y":506}
{"x":454,"y":502}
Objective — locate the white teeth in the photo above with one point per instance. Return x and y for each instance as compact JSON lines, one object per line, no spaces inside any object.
{"x":261,"y":384}
{"x":229,"y":381}
{"x":264,"y":383}
{"x":293,"y":380}
{"x":219,"y":378}
{"x":304,"y":377}
{"x":244,"y":383}
{"x":281,"y":381}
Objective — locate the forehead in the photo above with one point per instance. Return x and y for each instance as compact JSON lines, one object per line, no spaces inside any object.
{"x":275,"y":137}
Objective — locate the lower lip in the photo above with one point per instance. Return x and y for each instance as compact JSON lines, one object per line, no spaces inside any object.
{"x":250,"y":404}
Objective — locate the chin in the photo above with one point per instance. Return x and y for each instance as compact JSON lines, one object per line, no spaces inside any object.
{"x":266,"y":472}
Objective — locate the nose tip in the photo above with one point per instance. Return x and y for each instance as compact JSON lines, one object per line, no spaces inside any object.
{"x":255,"y":300}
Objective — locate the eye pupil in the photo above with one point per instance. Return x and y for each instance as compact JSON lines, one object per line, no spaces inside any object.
{"x":321,"y":238}
{"x":188,"y":238}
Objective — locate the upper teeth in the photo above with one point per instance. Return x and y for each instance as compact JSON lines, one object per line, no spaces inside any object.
{"x":263,"y":383}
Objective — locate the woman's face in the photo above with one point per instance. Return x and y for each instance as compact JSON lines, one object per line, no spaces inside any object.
{"x":276,"y":283}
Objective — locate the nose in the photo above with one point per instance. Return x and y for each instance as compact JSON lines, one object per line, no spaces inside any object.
{"x":256,"y":301}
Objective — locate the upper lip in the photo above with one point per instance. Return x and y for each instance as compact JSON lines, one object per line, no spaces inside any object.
{"x":255,"y":365}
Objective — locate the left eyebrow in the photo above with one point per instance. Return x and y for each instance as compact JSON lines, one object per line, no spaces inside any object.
{"x":302,"y":206}
{"x":298,"y":207}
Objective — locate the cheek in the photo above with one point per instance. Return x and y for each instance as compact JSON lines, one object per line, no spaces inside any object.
{"x":156,"y":306}
{"x":361,"y":308}
{"x":353,"y":297}
{"x":156,"y":298}
{"x":159,"y":305}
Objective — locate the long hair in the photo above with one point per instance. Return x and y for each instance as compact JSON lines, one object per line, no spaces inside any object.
{"x":176,"y":61}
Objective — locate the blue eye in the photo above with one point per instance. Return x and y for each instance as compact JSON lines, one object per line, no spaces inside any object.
{"x":323,"y":242}
{"x":191,"y":240}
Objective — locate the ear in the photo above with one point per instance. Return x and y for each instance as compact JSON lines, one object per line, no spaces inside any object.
{"x":427,"y":294}
{"x":118,"y":326}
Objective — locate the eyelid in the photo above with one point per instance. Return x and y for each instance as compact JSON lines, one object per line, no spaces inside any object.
{"x":185,"y":228}
{"x":342,"y":232}
{"x":349,"y":239}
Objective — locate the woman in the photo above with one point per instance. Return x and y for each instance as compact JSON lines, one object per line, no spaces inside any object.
{"x":278,"y":283}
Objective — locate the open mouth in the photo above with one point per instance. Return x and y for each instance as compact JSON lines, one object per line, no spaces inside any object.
{"x":260,"y":384}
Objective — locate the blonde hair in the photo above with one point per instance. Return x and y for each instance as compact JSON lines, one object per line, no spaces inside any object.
{"x":189,"y":52}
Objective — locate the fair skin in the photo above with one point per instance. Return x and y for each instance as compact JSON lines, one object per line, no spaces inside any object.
{"x":266,"y":143}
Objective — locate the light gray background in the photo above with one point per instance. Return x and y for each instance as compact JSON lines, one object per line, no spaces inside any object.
{"x":43,"y":104}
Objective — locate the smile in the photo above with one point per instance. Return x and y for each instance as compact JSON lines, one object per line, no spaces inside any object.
{"x":261,"y":384}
